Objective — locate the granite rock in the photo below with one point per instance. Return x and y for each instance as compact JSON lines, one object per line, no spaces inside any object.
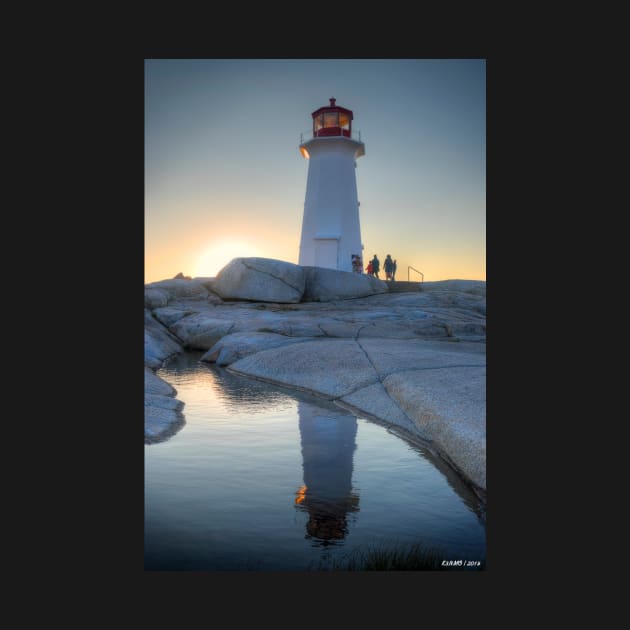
{"x":260,"y":279}
{"x":325,"y":285}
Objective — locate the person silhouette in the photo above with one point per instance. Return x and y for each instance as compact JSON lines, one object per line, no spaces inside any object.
{"x":376,"y":266}
{"x":388,"y":266}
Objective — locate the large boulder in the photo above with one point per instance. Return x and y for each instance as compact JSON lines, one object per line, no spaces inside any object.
{"x":325,"y":285}
{"x":260,"y":280}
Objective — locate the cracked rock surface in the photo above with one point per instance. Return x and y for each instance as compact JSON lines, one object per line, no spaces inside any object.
{"x":162,"y":411}
{"x":414,"y":360}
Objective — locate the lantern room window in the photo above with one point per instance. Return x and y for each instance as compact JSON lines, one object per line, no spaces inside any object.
{"x":331,"y":119}
{"x":344,"y":121}
{"x":318,"y":123}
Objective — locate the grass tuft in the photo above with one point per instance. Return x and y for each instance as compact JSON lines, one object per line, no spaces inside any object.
{"x":396,"y":557}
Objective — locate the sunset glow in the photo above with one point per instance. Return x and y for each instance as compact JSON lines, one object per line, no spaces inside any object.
{"x":220,"y":253}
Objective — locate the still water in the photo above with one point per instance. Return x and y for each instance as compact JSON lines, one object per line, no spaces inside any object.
{"x":264,"y":478}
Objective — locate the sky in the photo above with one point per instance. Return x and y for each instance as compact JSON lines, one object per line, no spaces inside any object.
{"x":224,"y":176}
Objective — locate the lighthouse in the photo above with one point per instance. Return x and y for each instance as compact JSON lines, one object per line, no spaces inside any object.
{"x":331,"y":231}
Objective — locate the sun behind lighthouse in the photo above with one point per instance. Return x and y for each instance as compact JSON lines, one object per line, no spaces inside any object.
{"x":219,"y":253}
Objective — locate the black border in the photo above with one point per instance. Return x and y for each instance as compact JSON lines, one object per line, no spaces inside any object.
{"x":112,"y":182}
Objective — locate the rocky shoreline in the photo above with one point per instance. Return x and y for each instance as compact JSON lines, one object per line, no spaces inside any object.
{"x":414,"y":361}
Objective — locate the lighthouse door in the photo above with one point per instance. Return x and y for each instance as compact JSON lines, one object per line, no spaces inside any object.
{"x":326,"y":252}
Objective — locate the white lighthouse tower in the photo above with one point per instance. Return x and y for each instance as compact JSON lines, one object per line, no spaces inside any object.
{"x":331,"y":233}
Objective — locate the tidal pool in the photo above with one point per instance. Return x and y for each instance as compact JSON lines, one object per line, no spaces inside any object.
{"x":262,"y":478}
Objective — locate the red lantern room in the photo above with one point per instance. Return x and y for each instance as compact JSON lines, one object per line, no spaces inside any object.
{"x":332,"y":121}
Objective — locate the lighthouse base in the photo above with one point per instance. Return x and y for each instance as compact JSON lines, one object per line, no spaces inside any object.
{"x":326,"y":253}
{"x":330,"y":252}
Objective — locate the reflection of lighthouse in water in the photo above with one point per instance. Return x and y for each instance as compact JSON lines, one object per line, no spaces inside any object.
{"x":328,"y":443}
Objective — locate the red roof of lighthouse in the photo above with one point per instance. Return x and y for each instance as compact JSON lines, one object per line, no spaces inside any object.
{"x":332,"y":108}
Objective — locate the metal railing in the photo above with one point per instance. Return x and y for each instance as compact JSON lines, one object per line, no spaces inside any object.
{"x":409,"y":268}
{"x":305,"y":136}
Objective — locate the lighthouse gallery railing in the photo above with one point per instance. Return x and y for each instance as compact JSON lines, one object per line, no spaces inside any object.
{"x":305,"y":136}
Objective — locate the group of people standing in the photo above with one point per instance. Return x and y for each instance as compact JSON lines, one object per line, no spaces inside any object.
{"x":374,"y":266}
{"x":389,"y":266}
